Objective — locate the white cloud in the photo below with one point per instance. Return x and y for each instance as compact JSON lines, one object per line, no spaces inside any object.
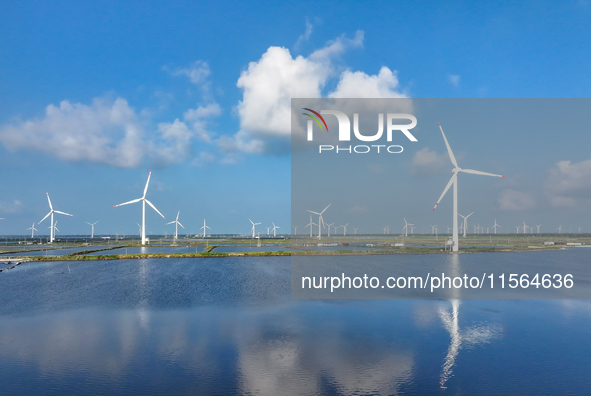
{"x":306,"y":36}
{"x":569,"y":184}
{"x":426,"y":163}
{"x":197,"y":72}
{"x":360,"y":85}
{"x":269,"y":84}
{"x":515,"y":200}
{"x":107,"y":132}
{"x":200,"y":117}
{"x":454,"y":79}
{"x":103,"y":132}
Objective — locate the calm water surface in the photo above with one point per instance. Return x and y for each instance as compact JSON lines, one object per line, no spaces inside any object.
{"x":224,"y":326}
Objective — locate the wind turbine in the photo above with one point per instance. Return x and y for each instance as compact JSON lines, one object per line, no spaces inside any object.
{"x":405,"y":228}
{"x":296,"y":230}
{"x":176,"y":225}
{"x":310,"y":224}
{"x":320,"y":219}
{"x":268,"y":228}
{"x":454,"y":180}
{"x":560,"y":229}
{"x":140,"y":228}
{"x":539,"y":228}
{"x":54,"y":227}
{"x":355,"y":230}
{"x":253,"y":226}
{"x":92,"y":226}
{"x":51,"y":212}
{"x":204,"y":228}
{"x":328,"y":226}
{"x":465,"y":222}
{"x":275,"y":230}
{"x":495,"y":226}
{"x":143,"y":201}
{"x":345,"y":229}
{"x":33,"y":229}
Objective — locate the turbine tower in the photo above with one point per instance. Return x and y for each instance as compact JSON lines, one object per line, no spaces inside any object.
{"x":328,"y":226}
{"x":320,"y":220}
{"x":345,"y":229}
{"x":144,"y":201}
{"x":539,"y":228}
{"x":204,"y":228}
{"x":176,"y":225}
{"x":253,"y":226}
{"x":454,"y":180}
{"x":465,"y":222}
{"x":310,"y":224}
{"x":51,"y":212}
{"x":92,"y":226}
{"x":33,"y":229}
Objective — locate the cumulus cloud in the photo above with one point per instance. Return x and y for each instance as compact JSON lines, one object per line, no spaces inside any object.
{"x":107,"y":132}
{"x":515,"y":200}
{"x":104,"y":132}
{"x":454,"y":79}
{"x":360,"y":85}
{"x":269,"y":84}
{"x":569,"y":184}
{"x":199,"y":118}
{"x":426,"y":163}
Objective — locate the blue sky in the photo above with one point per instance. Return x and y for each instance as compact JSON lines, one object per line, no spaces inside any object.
{"x":95,"y":95}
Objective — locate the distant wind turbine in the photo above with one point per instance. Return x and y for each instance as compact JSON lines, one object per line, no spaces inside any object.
{"x":176,"y":225}
{"x":204,"y":228}
{"x":33,"y":229}
{"x":539,"y":228}
{"x":405,"y":228}
{"x":345,"y":229}
{"x":51,"y":212}
{"x":310,"y":224}
{"x":495,"y":226}
{"x":144,"y":201}
{"x":465,"y":222}
{"x":275,"y":229}
{"x":328,"y":226}
{"x":253,"y":226}
{"x":454,"y":180}
{"x":320,"y":219}
{"x":295,"y":230}
{"x":92,"y":227}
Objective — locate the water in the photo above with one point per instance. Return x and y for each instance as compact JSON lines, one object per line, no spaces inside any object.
{"x":228,"y":326}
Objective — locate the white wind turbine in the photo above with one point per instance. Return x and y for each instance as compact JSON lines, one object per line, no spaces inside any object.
{"x":92,"y":227}
{"x":465,"y":222}
{"x":320,"y":220}
{"x":328,"y":226}
{"x":54,"y":228}
{"x":51,"y":212}
{"x":253,"y":226}
{"x":140,"y":228}
{"x":296,"y":230}
{"x":345,"y":229}
{"x":144,"y":201}
{"x":454,"y":180}
{"x":310,"y":224}
{"x":560,"y":229}
{"x":275,"y":229}
{"x":176,"y":225}
{"x":355,"y":230}
{"x":495,"y":226}
{"x":539,"y":228}
{"x":268,"y":228}
{"x":33,"y":229}
{"x":204,"y":228}
{"x":405,"y":228}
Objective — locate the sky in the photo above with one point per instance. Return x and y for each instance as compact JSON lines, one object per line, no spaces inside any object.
{"x":95,"y":95}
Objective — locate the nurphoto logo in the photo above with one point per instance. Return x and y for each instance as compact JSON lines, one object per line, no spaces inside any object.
{"x":344,"y":132}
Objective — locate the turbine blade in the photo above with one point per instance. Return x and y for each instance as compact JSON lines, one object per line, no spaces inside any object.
{"x":326,"y":208}
{"x":316,"y":213}
{"x":153,"y":207}
{"x":130,"y":202}
{"x":45,"y":217}
{"x":67,"y":214}
{"x":475,"y":172}
{"x":446,"y":188}
{"x":49,"y":200}
{"x":177,"y":215}
{"x":451,"y":154}
{"x":172,"y":222}
{"x":181,"y":225}
{"x":147,"y":182}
